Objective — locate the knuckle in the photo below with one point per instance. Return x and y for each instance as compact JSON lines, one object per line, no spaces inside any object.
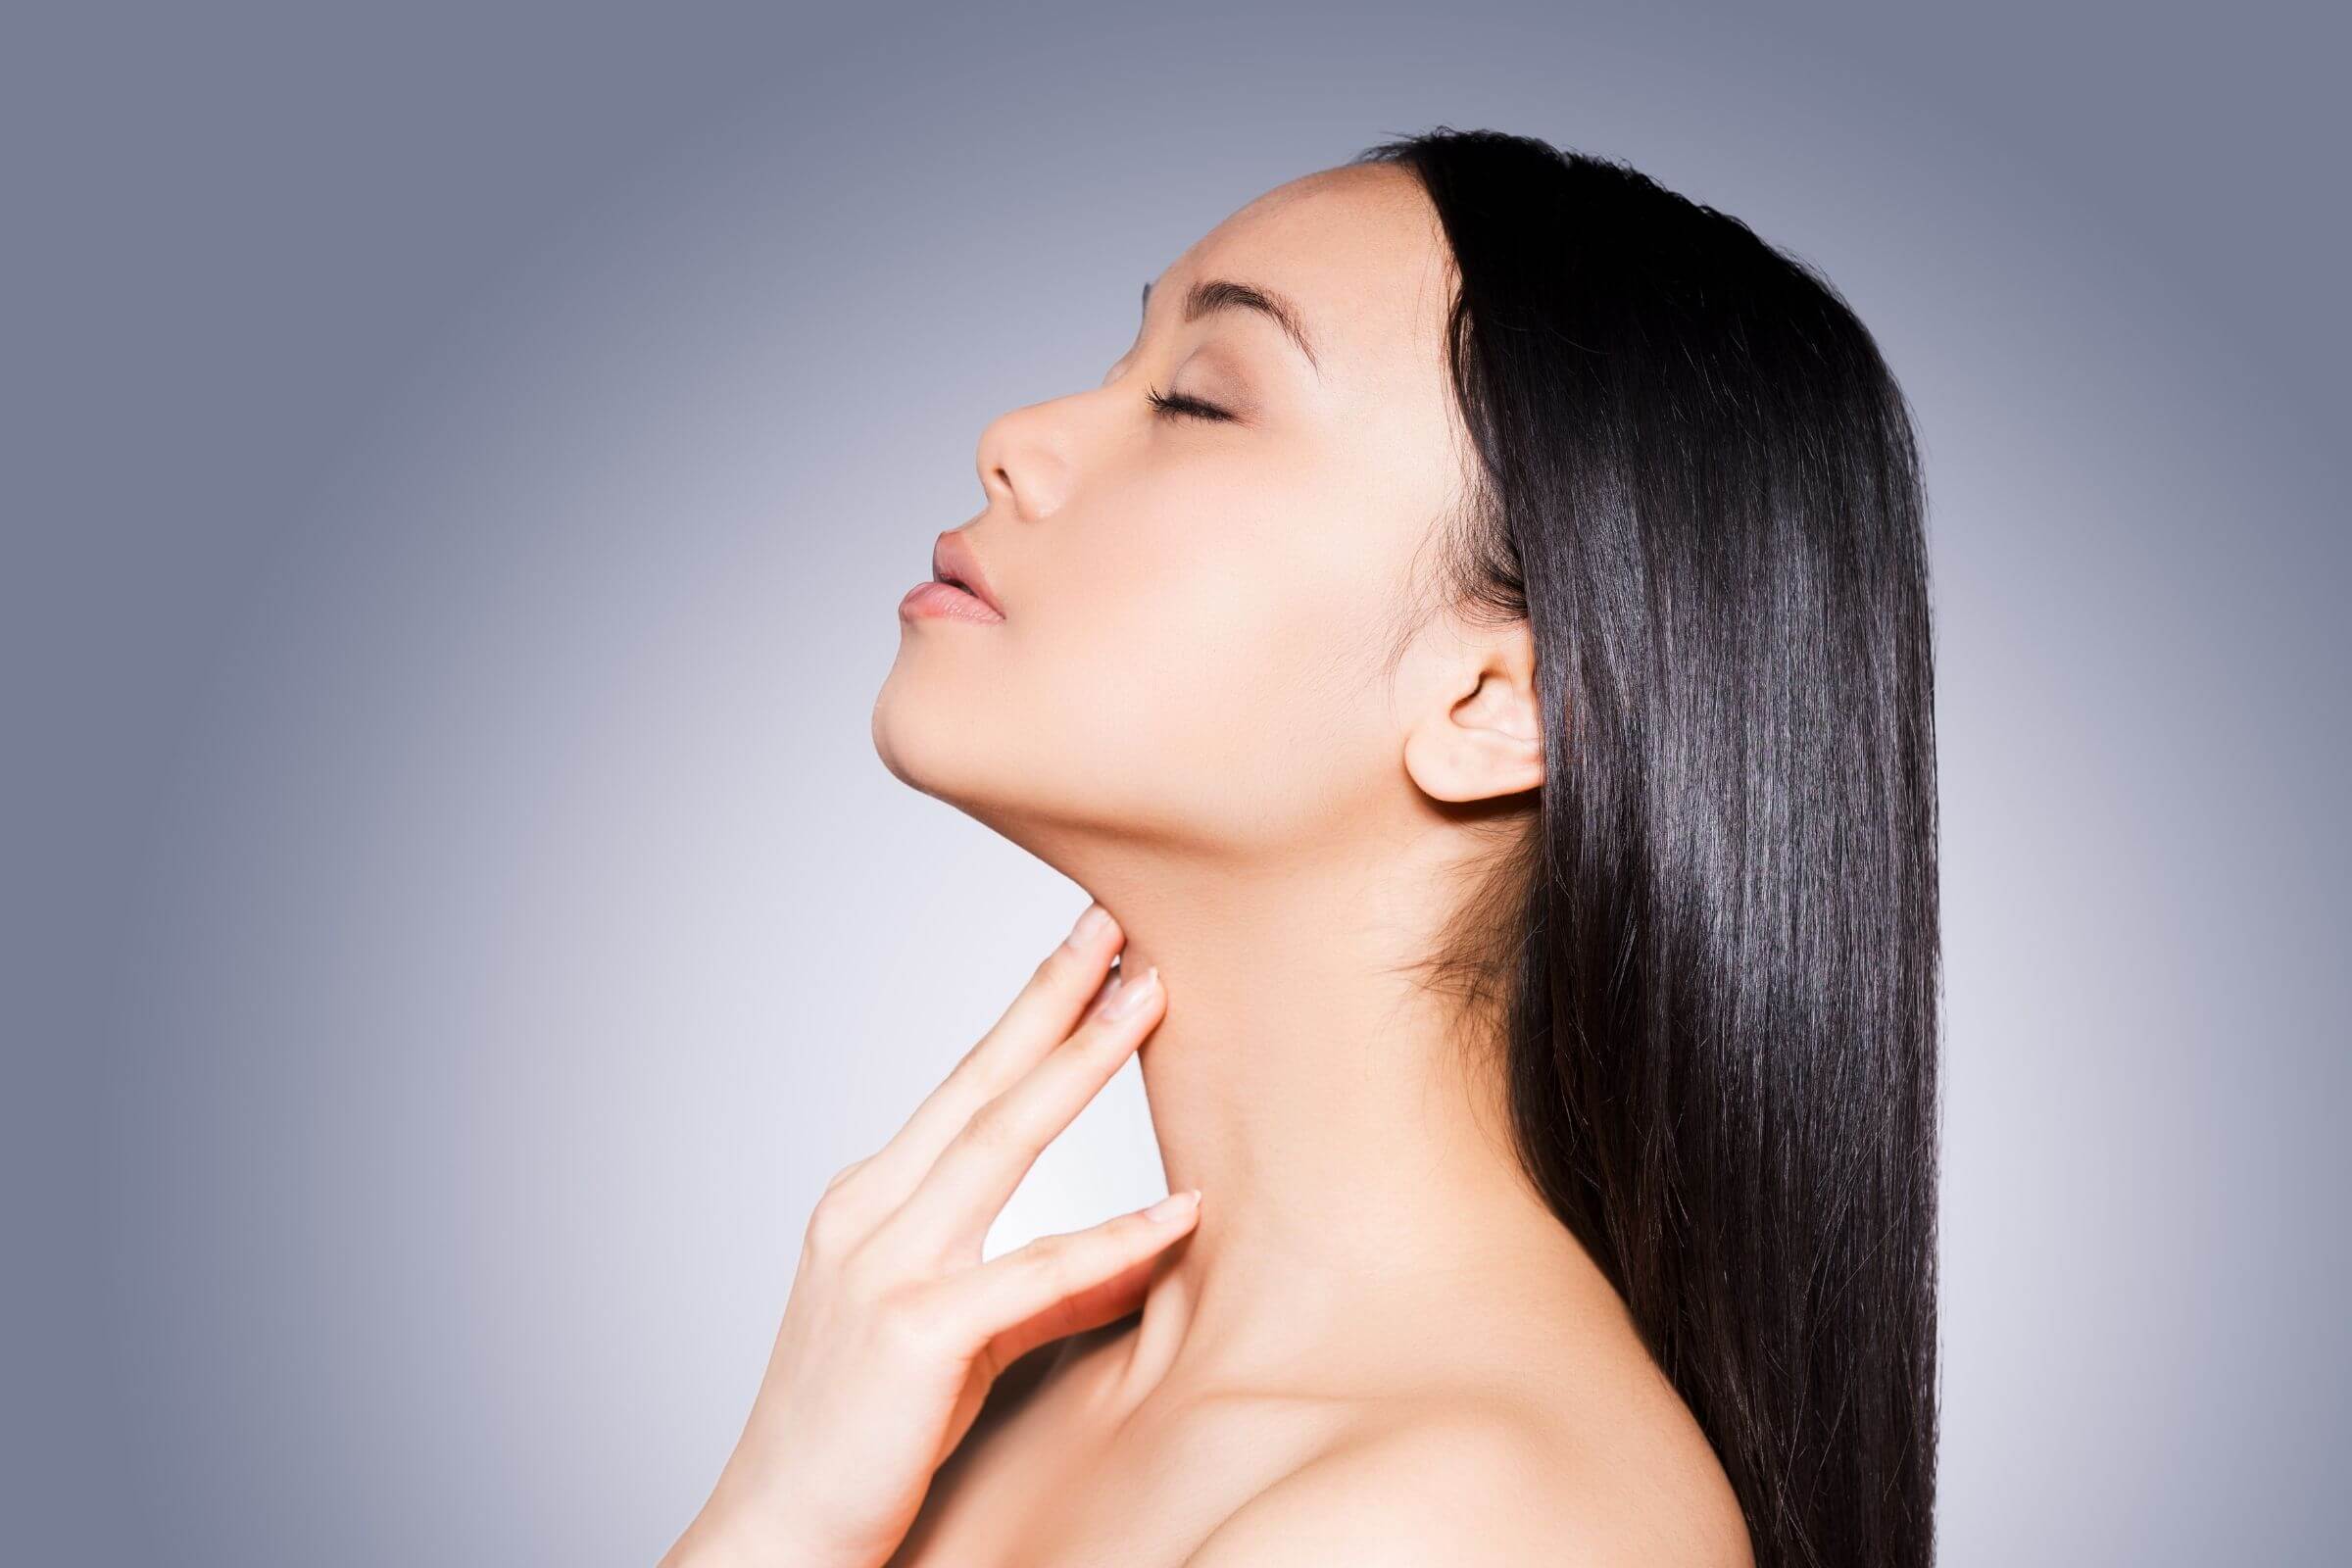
{"x":1053,"y":965}
{"x":995,"y":1128}
{"x":1059,"y":968}
{"x":969,"y":1064}
{"x":977,"y":1073}
{"x":865,"y":1275}
{"x":916,"y":1322}
{"x":1054,"y":1261}
{"x":834,"y":1223}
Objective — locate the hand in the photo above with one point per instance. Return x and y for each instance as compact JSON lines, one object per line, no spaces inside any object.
{"x":895,"y":1329}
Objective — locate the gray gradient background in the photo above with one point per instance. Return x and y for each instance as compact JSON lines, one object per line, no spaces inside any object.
{"x":462,"y":467}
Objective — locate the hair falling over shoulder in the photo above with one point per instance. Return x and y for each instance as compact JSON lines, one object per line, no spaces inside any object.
{"x":1715,"y":957}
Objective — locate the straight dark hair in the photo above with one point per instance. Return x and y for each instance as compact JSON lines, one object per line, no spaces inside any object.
{"x":1711,"y":961}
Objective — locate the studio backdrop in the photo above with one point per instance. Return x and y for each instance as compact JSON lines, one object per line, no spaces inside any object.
{"x":463,"y":465}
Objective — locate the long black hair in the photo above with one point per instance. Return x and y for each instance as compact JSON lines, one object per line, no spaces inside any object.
{"x":1713,"y":957}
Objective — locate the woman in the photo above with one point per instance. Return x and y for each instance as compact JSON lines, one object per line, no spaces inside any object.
{"x":1475,"y":641}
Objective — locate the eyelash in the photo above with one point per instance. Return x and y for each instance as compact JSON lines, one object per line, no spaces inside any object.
{"x":1177,"y":406}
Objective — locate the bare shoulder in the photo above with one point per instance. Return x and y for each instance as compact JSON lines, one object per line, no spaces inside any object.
{"x":1482,"y":1480}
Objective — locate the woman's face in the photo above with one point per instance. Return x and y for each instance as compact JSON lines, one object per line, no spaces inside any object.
{"x":1198,"y":612}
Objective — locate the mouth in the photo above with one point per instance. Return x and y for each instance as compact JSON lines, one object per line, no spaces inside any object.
{"x":956,"y":564}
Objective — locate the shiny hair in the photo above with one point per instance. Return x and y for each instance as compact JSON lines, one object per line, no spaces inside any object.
{"x":1711,"y":959}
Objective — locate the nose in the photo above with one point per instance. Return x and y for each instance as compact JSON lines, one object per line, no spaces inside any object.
{"x":1025,"y":459}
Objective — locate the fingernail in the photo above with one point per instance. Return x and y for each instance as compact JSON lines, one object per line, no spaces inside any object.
{"x":1093,"y":923}
{"x":1132,"y":994}
{"x":1173,"y":1206}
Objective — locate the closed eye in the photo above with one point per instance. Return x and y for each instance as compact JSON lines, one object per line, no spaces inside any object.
{"x":1177,"y":406}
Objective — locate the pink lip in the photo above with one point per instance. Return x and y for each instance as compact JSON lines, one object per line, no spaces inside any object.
{"x":944,"y":601}
{"x":955,"y":562}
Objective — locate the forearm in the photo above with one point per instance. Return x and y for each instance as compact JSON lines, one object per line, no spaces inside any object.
{"x":710,"y":1545}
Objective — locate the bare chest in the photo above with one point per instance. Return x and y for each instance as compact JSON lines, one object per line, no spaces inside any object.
{"x":1042,"y":1492}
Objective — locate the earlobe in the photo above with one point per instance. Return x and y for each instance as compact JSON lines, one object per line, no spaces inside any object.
{"x":1488,"y":743}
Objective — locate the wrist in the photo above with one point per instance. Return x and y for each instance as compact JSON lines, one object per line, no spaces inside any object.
{"x":707,"y":1544}
{"x":717,"y":1542}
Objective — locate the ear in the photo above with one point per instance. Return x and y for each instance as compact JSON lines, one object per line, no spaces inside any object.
{"x":1482,"y":736}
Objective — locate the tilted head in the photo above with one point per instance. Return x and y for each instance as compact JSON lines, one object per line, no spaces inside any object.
{"x":1599,"y":520}
{"x":1210,"y":565}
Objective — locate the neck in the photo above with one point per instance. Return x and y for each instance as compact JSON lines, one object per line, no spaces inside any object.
{"x":1351,"y":1150}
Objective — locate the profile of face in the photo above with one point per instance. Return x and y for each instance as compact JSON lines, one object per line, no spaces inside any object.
{"x":1204,"y":565}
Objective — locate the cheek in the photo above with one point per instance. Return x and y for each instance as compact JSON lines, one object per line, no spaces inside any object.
{"x":1217,"y":668}
{"x":1201,"y":662}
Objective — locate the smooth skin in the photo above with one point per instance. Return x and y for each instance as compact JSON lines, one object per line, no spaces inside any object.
{"x":895,"y":1330}
{"x":1223,"y":702}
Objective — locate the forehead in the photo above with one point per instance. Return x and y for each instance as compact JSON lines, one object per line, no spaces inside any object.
{"x":1357,"y":250}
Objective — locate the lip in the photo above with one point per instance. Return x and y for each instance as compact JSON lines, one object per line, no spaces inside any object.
{"x":956,"y":563}
{"x":946,"y":602}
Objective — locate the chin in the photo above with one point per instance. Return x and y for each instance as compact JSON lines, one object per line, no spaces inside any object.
{"x":935,"y":741}
{"x":890,"y":727}
{"x":992,"y":768}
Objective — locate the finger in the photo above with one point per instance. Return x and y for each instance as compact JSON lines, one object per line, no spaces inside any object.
{"x":1090,"y":1308}
{"x":1067,"y":982}
{"x":1066,"y":1284}
{"x":953,"y":1203}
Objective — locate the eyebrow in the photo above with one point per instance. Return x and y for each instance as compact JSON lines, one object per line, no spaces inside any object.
{"x":1223,"y":294}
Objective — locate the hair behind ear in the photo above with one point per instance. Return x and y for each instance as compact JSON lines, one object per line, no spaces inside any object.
{"x":1711,"y":963}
